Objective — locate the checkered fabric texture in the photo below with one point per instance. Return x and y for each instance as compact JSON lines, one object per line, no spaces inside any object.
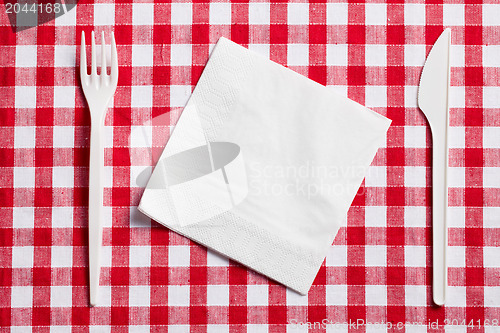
{"x":378,"y":270}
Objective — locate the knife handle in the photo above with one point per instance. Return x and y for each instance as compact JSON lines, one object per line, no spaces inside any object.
{"x":439,"y":209}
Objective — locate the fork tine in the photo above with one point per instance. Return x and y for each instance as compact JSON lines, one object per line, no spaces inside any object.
{"x":114,"y":61}
{"x":93,"y":72}
{"x":104,"y":70}
{"x":83,"y":60}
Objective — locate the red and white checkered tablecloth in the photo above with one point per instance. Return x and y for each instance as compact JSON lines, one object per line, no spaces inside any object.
{"x":378,"y":270}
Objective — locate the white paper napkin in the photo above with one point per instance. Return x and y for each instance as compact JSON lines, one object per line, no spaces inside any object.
{"x":263,"y":165}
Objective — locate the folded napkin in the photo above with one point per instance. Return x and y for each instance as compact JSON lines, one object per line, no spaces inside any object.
{"x":263,"y":165}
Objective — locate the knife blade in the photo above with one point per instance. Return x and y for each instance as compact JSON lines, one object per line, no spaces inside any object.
{"x":433,"y":96}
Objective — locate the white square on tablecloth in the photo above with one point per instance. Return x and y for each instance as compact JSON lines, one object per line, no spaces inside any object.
{"x":456,"y":296}
{"x":491,"y":137}
{"x":62,"y":217}
{"x":491,"y":13}
{"x":106,"y":256}
{"x":376,"y":176}
{"x":180,"y":54}
{"x":178,"y":295}
{"x":215,"y":259}
{"x":456,"y":217}
{"x":490,"y":256}
{"x":61,"y":256}
{"x":140,"y":256}
{"x":108,"y":136}
{"x":336,"y":13}
{"x":375,"y":55}
{"x":179,"y":95}
{"x":491,"y":217}
{"x":139,"y":175}
{"x":258,"y":13}
{"x":171,"y":329}
{"x":415,"y":136}
{"x":139,"y":296}
{"x":104,"y":15}
{"x":453,"y":14}
{"x":262,"y":49}
{"x":62,"y":328}
{"x":456,"y":177}
{"x":64,"y":97}
{"x":293,"y":298}
{"x":62,"y":176}
{"x":457,"y":97}
{"x":337,"y":256}
{"x":338,"y":89}
{"x":142,"y":55}
{"x":491,"y":98}
{"x":456,"y":137}
{"x":23,"y":217}
{"x":298,"y":14}
{"x":141,"y":136}
{"x":63,"y":136}
{"x":26,"y":56}
{"x":220,"y":13}
{"x":375,"y":255}
{"x":415,"y":256}
{"x":414,"y":55}
{"x":22,"y":256}
{"x":411,"y":93}
{"x":336,"y":55}
{"x":217,"y":328}
{"x":137,"y":219}
{"x":376,"y":295}
{"x":376,"y":96}
{"x":142,"y":96}
{"x":21,"y":297}
{"x":25,"y":96}
{"x":259,"y":328}
{"x":456,"y":256}
{"x":491,"y":55}
{"x":336,"y":294}
{"x":142,"y":13}
{"x":107,"y":179}
{"x":61,"y":296}
{"x":181,"y":14}
{"x":257,"y":295}
{"x":217,"y":295}
{"x":458,"y":56}
{"x":375,"y":216}
{"x":24,"y":177}
{"x":415,"y":176}
{"x":375,"y":14}
{"x":298,"y":55}
{"x":415,"y":295}
{"x":415,"y":216}
{"x":68,"y":19}
{"x":178,"y":255}
{"x":491,"y":177}
{"x":64,"y":55}
{"x":414,"y":14}
{"x":491,"y":296}
{"x":104,"y":296}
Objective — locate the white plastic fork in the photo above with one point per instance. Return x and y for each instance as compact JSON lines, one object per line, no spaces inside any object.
{"x":98,"y":90}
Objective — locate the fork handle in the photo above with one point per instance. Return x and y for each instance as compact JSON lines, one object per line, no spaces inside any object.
{"x":96,"y":168}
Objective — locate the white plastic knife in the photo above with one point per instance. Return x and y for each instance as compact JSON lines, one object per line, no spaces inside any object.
{"x":433,"y":94}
